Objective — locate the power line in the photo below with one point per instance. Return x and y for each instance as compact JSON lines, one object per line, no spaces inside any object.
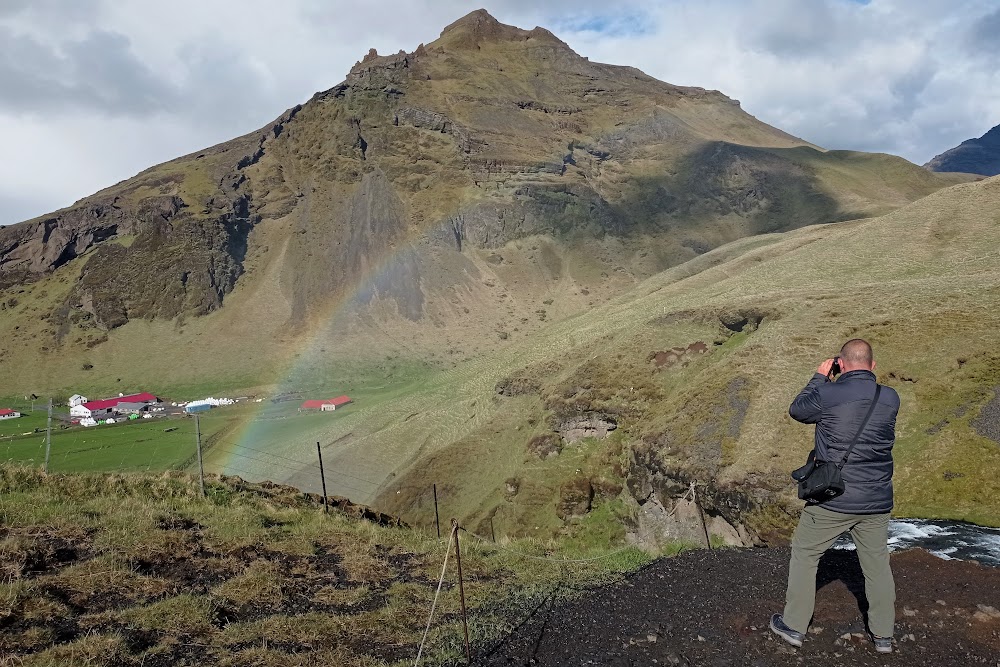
{"x":277,"y":456}
{"x":265,"y":462}
{"x":254,"y":474}
{"x":259,"y":460}
{"x":303,"y":463}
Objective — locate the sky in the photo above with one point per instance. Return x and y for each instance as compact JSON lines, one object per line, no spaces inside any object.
{"x":94,"y":91}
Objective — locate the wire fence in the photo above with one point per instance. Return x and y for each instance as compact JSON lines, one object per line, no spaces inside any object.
{"x":163,"y":443}
{"x":160,"y":443}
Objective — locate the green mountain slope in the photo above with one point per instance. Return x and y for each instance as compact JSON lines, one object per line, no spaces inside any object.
{"x":432,"y":206}
{"x":696,"y":367}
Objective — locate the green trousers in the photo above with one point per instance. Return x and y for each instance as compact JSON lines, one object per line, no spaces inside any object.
{"x":818,"y":529}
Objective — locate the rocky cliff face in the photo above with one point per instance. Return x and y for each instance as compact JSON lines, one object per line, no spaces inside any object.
{"x":169,"y":242}
{"x":973,"y":156}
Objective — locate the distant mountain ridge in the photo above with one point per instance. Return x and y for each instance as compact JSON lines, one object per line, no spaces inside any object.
{"x":973,"y":156}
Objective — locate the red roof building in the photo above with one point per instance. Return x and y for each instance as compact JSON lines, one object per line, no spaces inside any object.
{"x":144,"y":397}
{"x":9,"y":414}
{"x":326,"y":403}
{"x":109,"y":404}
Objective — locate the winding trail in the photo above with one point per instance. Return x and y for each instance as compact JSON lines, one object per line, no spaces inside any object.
{"x":712,"y":608}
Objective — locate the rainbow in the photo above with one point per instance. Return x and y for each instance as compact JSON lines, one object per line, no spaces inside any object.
{"x":252,"y":454}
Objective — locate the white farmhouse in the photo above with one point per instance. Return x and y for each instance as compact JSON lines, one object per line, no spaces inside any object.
{"x":81,"y":411}
{"x":77,"y":399}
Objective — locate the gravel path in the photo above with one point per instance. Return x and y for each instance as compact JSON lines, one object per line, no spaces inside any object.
{"x":712,"y":608}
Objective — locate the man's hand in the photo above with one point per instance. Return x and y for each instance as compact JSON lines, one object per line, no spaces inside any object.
{"x":825,"y":367}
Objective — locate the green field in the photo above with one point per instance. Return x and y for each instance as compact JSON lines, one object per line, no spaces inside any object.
{"x":141,"y":445}
{"x":26,"y":423}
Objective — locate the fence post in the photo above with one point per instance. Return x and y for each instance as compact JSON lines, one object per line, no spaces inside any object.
{"x":201,"y":464}
{"x":322,"y":476}
{"x":701,"y":513}
{"x":437,"y":517}
{"x":461,"y":591}
{"x":48,"y":437}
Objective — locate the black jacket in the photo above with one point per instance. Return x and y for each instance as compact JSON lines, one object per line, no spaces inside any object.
{"x":837,"y":409}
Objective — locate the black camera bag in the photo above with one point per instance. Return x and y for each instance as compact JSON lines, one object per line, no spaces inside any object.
{"x":819,"y":480}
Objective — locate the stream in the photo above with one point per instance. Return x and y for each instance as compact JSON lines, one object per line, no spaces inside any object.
{"x":945,"y":539}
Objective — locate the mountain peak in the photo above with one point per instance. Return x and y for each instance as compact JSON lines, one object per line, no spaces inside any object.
{"x":479,"y":19}
{"x":479,"y":27}
{"x":973,"y":156}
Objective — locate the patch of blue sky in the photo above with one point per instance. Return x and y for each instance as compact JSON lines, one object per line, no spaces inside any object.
{"x":623,"y":24}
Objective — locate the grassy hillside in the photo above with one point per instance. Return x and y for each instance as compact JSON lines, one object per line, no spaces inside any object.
{"x":919,"y":283}
{"x":140,"y":570}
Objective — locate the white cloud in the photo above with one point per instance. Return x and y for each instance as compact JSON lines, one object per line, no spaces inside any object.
{"x":96,"y":90}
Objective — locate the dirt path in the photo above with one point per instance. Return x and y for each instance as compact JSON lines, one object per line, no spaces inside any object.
{"x":712,"y":608}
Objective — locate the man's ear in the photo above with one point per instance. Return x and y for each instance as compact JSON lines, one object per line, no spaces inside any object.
{"x":873,"y":364}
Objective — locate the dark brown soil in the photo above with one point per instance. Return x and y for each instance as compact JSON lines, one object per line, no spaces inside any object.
{"x":712,"y":608}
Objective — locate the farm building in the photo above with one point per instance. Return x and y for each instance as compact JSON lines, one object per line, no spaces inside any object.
{"x":197,"y":406}
{"x":129,"y":408}
{"x":9,"y":414}
{"x":326,"y":404}
{"x":106,"y":407}
{"x":77,"y":399}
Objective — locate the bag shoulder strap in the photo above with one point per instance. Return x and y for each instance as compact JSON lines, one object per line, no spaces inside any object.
{"x":871,"y":409}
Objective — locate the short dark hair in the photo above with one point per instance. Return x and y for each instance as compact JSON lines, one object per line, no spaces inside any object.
{"x":857,"y":352}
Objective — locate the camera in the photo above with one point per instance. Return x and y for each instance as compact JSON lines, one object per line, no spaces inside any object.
{"x":835,"y":369}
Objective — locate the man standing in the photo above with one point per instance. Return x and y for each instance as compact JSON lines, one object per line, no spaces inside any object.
{"x":838,"y":410}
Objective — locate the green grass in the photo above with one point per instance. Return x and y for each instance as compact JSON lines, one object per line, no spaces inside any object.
{"x":138,"y":445}
{"x":26,"y":423}
{"x":247,"y":575}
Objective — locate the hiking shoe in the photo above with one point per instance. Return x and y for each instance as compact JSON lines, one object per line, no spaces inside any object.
{"x":882,"y":644}
{"x":791,"y":636}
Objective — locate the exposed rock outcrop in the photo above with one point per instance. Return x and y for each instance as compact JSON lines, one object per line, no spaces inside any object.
{"x":973,"y":156}
{"x":666,"y":511}
{"x":575,"y":498}
{"x":594,"y":425}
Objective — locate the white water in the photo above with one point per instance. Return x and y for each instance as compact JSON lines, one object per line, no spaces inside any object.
{"x":945,"y":539}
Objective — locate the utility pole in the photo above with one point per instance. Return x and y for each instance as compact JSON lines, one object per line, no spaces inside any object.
{"x":48,"y":437}
{"x":201,"y":465}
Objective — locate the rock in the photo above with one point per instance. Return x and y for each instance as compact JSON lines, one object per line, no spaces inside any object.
{"x":909,"y":612}
{"x":517,"y":386}
{"x":606,"y":488}
{"x":595,"y":425}
{"x":546,"y":445}
{"x":575,"y":498}
{"x":512,"y":486}
{"x":992,"y":612}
